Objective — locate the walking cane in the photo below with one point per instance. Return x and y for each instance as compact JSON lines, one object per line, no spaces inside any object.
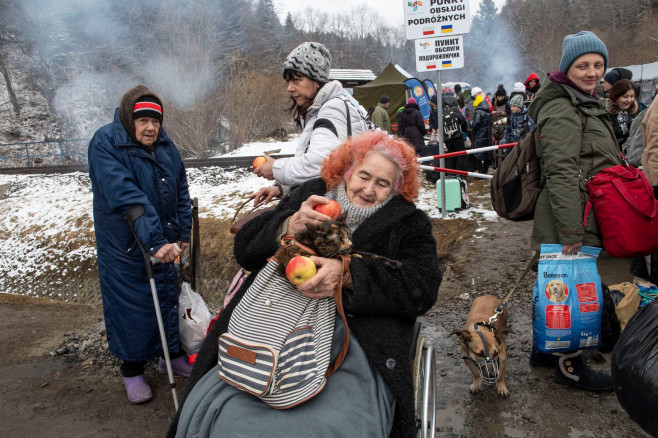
{"x":131,"y":216}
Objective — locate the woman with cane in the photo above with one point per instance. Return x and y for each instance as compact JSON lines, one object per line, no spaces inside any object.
{"x":132,"y":162}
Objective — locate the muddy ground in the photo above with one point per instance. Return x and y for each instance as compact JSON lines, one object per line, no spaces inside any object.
{"x":59,"y":381}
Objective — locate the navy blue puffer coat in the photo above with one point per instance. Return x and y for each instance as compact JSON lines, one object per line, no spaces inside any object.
{"x":124,"y":175}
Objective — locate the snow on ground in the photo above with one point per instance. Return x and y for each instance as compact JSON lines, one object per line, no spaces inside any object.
{"x":47,"y":218}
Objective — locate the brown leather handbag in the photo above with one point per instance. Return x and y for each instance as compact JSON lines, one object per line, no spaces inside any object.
{"x":254,"y":212}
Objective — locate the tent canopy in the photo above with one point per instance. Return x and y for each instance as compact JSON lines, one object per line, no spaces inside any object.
{"x":391,"y":83}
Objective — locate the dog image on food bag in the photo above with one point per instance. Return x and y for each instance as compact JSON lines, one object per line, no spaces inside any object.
{"x":483,"y":344}
{"x":556,"y":291}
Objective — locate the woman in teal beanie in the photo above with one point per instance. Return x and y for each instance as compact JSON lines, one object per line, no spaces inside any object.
{"x":576,"y":142}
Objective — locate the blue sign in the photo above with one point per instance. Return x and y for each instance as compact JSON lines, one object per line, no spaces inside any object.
{"x":419,"y":93}
{"x":429,"y":86}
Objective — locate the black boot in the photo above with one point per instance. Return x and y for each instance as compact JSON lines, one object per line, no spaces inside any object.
{"x":571,"y":370}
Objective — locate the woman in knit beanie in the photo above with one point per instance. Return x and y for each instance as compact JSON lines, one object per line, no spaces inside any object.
{"x":500,"y":99}
{"x":576,"y":143}
{"x":322,"y":109}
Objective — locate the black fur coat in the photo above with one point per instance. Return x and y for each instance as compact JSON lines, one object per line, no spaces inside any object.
{"x":383,"y":304}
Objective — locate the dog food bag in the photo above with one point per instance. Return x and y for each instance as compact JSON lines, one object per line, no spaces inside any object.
{"x":567,"y":300}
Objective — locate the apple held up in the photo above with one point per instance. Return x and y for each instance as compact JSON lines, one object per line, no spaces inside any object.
{"x":331,"y":209}
{"x":259,"y":161}
{"x":300,"y":269}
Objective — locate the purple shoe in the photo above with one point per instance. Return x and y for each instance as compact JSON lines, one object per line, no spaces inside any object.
{"x":138,"y":390}
{"x":179,"y":366}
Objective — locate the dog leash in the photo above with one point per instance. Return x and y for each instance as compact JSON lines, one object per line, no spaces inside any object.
{"x":503,"y":304}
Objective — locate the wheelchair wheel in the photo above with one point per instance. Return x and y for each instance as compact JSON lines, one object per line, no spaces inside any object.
{"x":424,"y":368}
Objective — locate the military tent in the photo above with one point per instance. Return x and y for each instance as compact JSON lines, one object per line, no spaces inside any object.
{"x":391,"y":83}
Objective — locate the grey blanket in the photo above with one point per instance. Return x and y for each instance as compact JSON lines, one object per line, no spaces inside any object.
{"x":354,"y":402}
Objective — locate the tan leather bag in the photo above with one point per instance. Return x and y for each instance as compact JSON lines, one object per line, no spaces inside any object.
{"x":254,"y":212}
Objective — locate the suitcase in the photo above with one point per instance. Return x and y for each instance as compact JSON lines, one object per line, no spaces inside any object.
{"x":430,"y":149}
{"x":453,"y":194}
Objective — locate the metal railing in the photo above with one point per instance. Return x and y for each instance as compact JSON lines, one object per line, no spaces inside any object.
{"x":43,"y":153}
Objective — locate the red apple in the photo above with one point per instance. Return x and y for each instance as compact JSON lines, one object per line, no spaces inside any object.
{"x":331,"y":209}
{"x":300,"y":269}
{"x":259,"y":161}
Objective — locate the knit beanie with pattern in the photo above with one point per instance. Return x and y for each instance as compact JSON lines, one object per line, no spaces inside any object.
{"x":576,"y":45}
{"x":517,"y":101}
{"x":311,"y":59}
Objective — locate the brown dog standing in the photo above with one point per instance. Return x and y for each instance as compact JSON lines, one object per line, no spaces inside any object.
{"x":472,"y":348}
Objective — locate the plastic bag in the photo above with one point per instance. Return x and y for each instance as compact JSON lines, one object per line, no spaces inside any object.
{"x":634,"y":367}
{"x":567,"y":300}
{"x":193,"y":319}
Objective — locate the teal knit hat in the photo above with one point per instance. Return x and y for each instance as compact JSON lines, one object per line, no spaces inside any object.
{"x":577,"y":45}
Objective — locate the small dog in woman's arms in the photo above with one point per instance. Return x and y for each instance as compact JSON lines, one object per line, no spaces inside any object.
{"x":327,"y":239}
{"x":483,"y":345}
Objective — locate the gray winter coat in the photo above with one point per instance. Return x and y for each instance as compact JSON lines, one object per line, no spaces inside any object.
{"x":315,"y":145}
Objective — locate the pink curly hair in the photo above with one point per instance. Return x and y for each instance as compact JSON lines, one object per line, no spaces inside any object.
{"x":340,"y":164}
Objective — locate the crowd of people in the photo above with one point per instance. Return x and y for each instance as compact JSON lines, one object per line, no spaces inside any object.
{"x":374,"y":178}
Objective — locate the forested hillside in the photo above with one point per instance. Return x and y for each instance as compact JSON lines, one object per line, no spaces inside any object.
{"x":217,"y":63}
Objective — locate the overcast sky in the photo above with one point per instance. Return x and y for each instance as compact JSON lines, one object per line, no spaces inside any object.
{"x":390,"y":10}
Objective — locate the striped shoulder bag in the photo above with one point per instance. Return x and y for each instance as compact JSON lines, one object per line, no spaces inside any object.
{"x":278,"y":343}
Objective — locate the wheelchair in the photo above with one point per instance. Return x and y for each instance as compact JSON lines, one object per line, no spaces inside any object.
{"x":424,"y":375}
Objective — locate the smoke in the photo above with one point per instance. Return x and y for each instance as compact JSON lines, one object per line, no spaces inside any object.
{"x":88,"y":101}
{"x":94,"y":51}
{"x":502,"y":58}
{"x":492,"y":56}
{"x":182,"y":83}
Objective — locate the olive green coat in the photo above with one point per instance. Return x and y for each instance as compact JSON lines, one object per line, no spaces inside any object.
{"x":380,"y":118}
{"x":569,"y":153}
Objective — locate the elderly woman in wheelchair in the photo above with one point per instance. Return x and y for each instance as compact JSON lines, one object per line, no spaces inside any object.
{"x":374,"y":179}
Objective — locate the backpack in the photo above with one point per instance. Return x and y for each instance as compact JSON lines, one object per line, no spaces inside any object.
{"x":325,"y":123}
{"x":451,"y":128}
{"x":517,"y":181}
{"x":280,"y":353}
{"x":365,"y":117}
{"x":633,"y":148}
{"x":370,"y":111}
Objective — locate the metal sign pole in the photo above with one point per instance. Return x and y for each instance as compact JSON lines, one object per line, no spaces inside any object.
{"x":439,"y":124}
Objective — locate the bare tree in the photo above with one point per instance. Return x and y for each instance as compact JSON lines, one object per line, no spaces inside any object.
{"x":313,"y":22}
{"x":255,"y":102}
{"x":8,"y":85}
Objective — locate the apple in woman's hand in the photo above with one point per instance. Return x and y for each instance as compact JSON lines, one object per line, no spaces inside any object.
{"x":300,"y":269}
{"x":259,"y":161}
{"x":331,"y":209}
